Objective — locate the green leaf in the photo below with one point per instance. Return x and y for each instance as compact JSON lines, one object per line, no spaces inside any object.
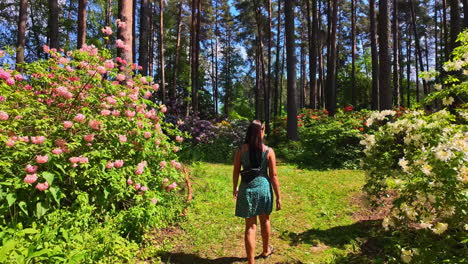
{"x":30,"y":231}
{"x":6,"y":249}
{"x":48,"y":176}
{"x":40,"y":210}
{"x":24,"y":207}
{"x":55,"y":191}
{"x":40,"y":253}
{"x":11,"y":199}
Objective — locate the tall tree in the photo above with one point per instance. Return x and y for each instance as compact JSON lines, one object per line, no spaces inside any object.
{"x":21,"y":37}
{"x":312,"y":26}
{"x":81,"y":23}
{"x":418,"y":50}
{"x":385,"y":87}
{"x":161,"y":51}
{"x":465,"y":14}
{"x":353,"y":52}
{"x":375,"y":56}
{"x":277,"y":62}
{"x":145,"y":25}
{"x":446,"y":31}
{"x":53,"y":24}
{"x":396,"y":44}
{"x":455,"y":22}
{"x":125,"y":32}
{"x":331,"y":62}
{"x":177,"y":52}
{"x":292,"y":132}
{"x":268,"y":90}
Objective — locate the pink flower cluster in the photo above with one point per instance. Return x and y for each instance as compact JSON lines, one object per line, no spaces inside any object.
{"x":57,"y":151}
{"x":38,"y":140}
{"x":95,"y":124}
{"x":30,"y":169}
{"x":141,"y":167}
{"x":179,"y":139}
{"x":5,"y":75}
{"x":88,"y":138}
{"x":42,"y":186}
{"x":122,"y":138}
{"x":176,"y":164}
{"x":76,"y":160}
{"x":4,"y":116}
{"x":107,"y":31}
{"x":67,"y":124}
{"x":79,"y":118}
{"x":42,"y":159}
{"x":30,"y":178}
{"x":121,"y":24}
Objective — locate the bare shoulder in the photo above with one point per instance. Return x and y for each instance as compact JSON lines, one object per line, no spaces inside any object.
{"x":271,"y":152}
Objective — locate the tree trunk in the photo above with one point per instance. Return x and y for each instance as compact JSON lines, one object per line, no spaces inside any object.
{"x":396,"y":63}
{"x":108,"y":12}
{"x":465,"y":13}
{"x":436,"y":36}
{"x":134,"y":31}
{"x":331,"y":64}
{"x":384,"y":57}
{"x":261,"y":57}
{"x":312,"y":37}
{"x":353,"y":53}
{"x":277,"y":62}
{"x":292,"y":132}
{"x":173,"y":90}
{"x":375,"y":56}
{"x":81,"y":23}
{"x":418,"y":45}
{"x":283,"y":62}
{"x":125,"y":34}
{"x":446,"y":34}
{"x":21,"y":39}
{"x":408,"y":71}
{"x":455,"y":23}
{"x":161,"y":51}
{"x":215,"y":88}
{"x":257,"y":88}
{"x":145,"y":24}
{"x":268,"y":90}
{"x":53,"y":24}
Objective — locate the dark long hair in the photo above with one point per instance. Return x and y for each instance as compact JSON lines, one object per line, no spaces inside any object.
{"x":254,"y":140}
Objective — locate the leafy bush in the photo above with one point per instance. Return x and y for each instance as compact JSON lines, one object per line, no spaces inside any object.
{"x":324,"y":142}
{"x":79,"y":123}
{"x":422,"y":158}
{"x":219,"y":141}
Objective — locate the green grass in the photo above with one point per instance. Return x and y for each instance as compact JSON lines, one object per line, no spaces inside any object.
{"x":314,"y":226}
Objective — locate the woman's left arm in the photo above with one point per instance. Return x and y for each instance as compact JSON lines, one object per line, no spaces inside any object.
{"x":235,"y":174}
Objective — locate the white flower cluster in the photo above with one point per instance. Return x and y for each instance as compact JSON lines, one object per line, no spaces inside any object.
{"x":407,"y":254}
{"x":430,"y":174}
{"x":379,"y":116}
{"x":455,"y":65}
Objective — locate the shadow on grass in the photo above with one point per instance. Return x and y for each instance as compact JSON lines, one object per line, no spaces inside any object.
{"x":183,"y":258}
{"x":338,"y":236}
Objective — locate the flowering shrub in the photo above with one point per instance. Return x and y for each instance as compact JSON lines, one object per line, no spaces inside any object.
{"x":324,"y":142}
{"x":422,"y":157}
{"x":217,"y":141}
{"x":80,"y":123}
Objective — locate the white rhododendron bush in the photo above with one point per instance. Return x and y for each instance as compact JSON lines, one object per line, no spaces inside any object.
{"x":421,"y":158}
{"x":79,"y":131}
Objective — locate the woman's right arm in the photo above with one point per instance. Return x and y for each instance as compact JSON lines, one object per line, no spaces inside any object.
{"x":235,"y":173}
{"x":274,"y":177}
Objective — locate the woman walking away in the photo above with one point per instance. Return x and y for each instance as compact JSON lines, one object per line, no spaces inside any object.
{"x":254,"y":194}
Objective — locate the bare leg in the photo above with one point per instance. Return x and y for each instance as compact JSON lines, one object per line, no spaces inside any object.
{"x":250,"y":229}
{"x":266,"y":232}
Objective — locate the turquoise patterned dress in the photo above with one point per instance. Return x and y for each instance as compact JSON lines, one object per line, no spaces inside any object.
{"x":256,"y":197}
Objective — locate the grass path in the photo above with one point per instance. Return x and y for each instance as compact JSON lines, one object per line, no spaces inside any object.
{"x":314,"y":226}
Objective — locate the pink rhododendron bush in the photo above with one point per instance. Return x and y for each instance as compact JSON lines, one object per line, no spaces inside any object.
{"x":423,"y":159}
{"x":80,"y":139}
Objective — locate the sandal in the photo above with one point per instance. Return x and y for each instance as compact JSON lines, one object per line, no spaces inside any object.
{"x":272,"y":250}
